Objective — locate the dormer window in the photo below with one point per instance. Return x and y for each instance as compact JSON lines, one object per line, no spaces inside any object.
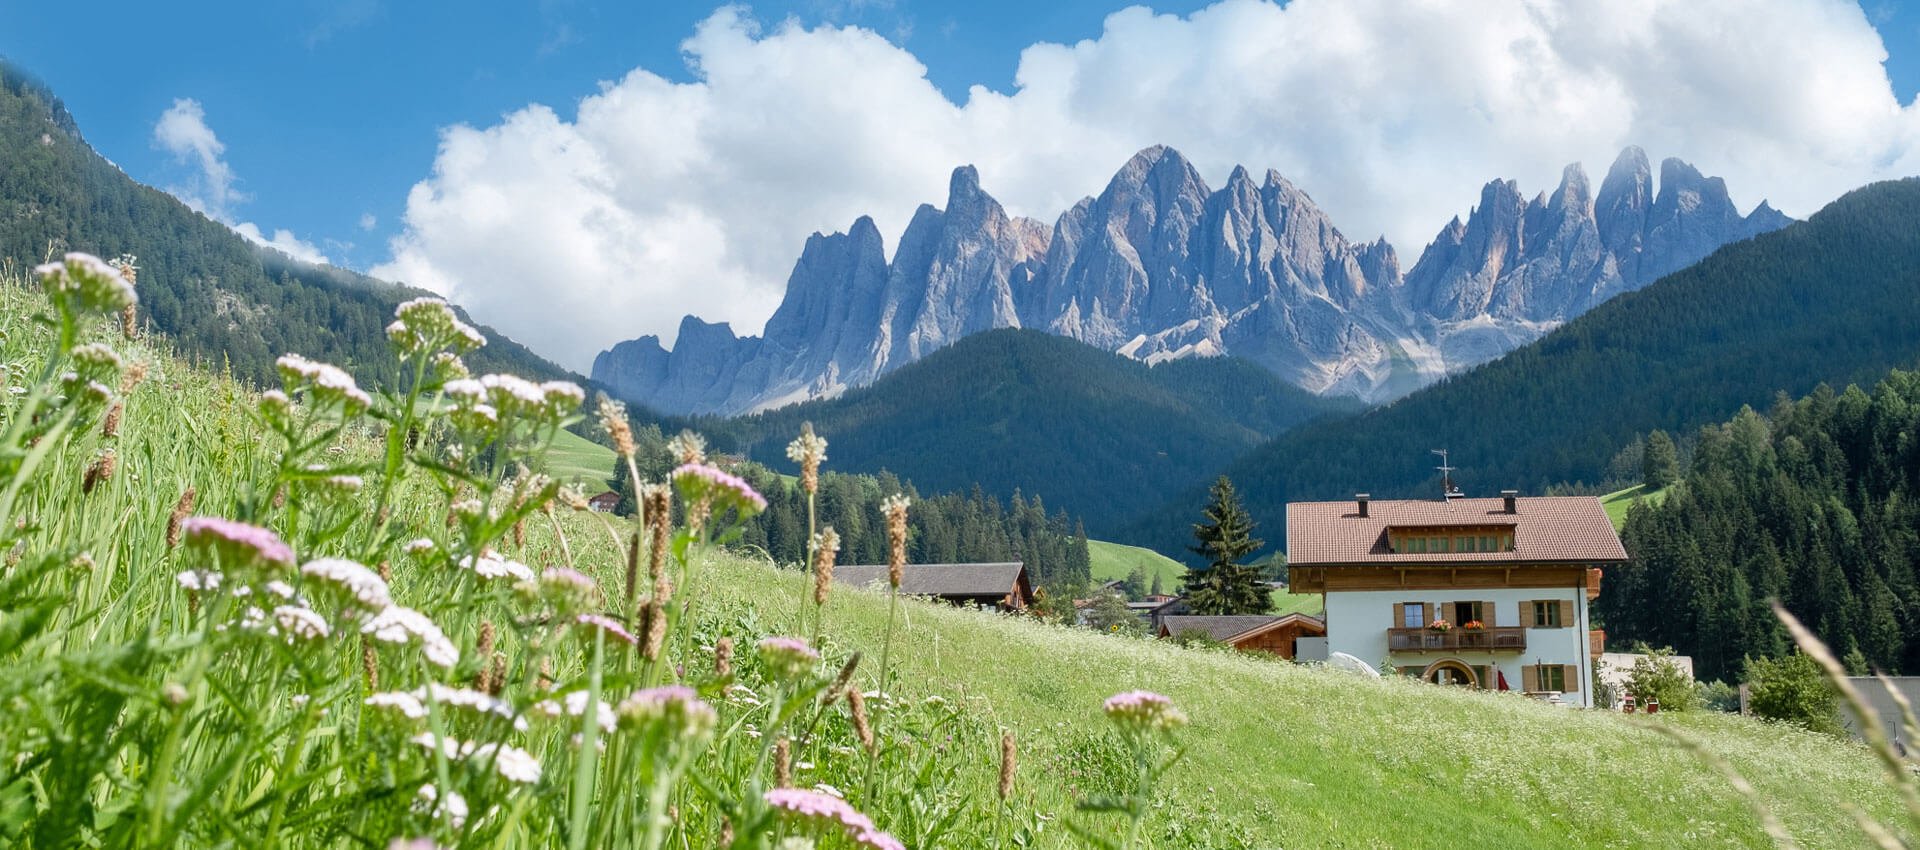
{"x":1449,"y":541}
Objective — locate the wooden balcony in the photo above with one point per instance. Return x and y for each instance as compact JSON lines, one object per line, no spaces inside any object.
{"x":1503,"y":639}
{"x":1593,"y":583}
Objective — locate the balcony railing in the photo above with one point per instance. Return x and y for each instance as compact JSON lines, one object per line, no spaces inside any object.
{"x":1509,"y":639}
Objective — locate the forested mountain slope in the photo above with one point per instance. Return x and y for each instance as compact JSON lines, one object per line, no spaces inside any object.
{"x":1099,"y":435}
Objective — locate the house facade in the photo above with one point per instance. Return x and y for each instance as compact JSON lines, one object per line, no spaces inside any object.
{"x":1486,"y":593}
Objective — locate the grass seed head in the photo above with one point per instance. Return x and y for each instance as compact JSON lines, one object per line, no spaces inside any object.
{"x":825,"y":545}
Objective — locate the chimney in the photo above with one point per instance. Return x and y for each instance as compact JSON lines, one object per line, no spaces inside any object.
{"x":1361,"y":499}
{"x":1509,"y":496}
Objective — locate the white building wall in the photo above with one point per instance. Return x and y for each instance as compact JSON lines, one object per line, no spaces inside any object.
{"x":1357,"y":623}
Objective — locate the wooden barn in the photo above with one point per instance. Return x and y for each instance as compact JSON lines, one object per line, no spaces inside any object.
{"x":1251,"y":633}
{"x":1002,"y":587}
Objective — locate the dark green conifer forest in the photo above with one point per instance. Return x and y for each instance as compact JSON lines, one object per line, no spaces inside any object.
{"x":1816,"y":503}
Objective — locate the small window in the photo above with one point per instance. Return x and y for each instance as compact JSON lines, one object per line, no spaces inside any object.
{"x":1416,"y":545}
{"x":1553,"y":677}
{"x":1437,"y":545}
{"x":1413,"y":616}
{"x":1546,"y":614}
{"x":1467,"y":612}
{"x":1469,"y":544}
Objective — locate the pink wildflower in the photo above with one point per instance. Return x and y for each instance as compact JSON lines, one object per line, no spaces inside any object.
{"x":237,"y":545}
{"x":608,"y":625}
{"x":726,"y":490}
{"x":821,"y":809}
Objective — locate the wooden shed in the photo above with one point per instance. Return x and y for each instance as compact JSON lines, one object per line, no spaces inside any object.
{"x":1003,"y":587}
{"x":1250,"y":633}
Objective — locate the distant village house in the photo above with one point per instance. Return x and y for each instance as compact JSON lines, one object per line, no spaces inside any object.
{"x":605,"y":502}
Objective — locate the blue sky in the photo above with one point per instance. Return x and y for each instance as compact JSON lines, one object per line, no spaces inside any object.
{"x":572,"y":217}
{"x":330,"y":110}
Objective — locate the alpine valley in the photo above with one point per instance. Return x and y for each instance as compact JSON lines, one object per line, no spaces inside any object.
{"x":1160,"y":267}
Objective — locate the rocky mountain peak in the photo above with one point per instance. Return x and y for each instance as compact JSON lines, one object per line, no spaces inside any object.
{"x":1159,"y":265}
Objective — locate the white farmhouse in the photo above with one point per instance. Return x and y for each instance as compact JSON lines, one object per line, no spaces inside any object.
{"x":1485,"y":593}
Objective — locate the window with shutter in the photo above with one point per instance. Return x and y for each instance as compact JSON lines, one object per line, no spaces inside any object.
{"x":1550,"y":677}
{"x":1529,"y":678}
{"x":1566,"y":612}
{"x":1569,"y":679}
{"x":1489,"y":612}
{"x":1546,"y":614}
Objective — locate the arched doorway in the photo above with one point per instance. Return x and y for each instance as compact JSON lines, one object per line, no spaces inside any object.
{"x":1451,"y":672}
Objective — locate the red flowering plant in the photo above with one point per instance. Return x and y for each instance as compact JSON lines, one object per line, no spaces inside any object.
{"x":1473,"y":625}
{"x":1439,"y":625}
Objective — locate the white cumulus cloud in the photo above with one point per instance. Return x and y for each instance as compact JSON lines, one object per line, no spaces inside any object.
{"x":183,"y":131}
{"x":659,"y":198}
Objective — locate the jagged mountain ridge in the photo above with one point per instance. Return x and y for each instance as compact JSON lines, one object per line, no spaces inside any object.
{"x":1160,"y":266}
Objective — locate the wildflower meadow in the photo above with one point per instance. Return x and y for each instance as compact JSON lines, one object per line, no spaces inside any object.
{"x":361,"y":620}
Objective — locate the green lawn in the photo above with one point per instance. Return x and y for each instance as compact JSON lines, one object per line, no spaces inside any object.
{"x":1297,"y":603}
{"x":1114,"y":561}
{"x":1619,"y":501}
{"x":576,"y":458}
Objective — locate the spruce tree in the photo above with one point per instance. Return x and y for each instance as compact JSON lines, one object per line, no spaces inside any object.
{"x":1660,"y":466}
{"x":1226,"y":586}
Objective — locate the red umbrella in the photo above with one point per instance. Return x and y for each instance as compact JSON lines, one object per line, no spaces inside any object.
{"x":1503,"y":679}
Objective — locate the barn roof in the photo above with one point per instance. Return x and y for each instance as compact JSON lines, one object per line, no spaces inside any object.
{"x":1568,"y":529}
{"x":1224,"y":628}
{"x":938,"y":579}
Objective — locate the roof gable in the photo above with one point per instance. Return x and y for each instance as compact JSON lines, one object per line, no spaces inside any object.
{"x":1228,"y":628}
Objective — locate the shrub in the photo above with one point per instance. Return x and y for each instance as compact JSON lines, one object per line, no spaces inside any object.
{"x":1792,"y":689}
{"x":1720,"y":696}
{"x":1656,"y":676}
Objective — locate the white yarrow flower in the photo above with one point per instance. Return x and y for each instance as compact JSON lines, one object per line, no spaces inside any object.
{"x":401,"y":625}
{"x":300,"y":622}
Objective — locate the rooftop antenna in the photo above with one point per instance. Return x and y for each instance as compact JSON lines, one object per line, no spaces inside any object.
{"x":1448,"y":492}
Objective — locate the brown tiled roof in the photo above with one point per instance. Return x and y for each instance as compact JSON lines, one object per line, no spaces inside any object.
{"x":1224,"y":628}
{"x":1546,"y":529}
{"x":938,"y":579}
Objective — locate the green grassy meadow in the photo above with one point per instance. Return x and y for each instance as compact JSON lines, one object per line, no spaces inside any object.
{"x":576,"y":459}
{"x":1116,"y":561}
{"x":1277,"y":755}
{"x":1619,"y":502}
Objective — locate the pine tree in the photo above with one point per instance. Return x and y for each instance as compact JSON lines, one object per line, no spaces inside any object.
{"x":1660,"y":465}
{"x":1226,"y":586}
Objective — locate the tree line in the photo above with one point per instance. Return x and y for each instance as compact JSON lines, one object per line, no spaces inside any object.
{"x":943,"y":528}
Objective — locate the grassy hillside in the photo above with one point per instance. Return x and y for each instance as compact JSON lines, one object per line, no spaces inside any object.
{"x":576,"y":458}
{"x":1831,"y":299}
{"x":1116,"y":561}
{"x":1100,"y":435}
{"x":1619,"y":502}
{"x":1277,"y":755}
